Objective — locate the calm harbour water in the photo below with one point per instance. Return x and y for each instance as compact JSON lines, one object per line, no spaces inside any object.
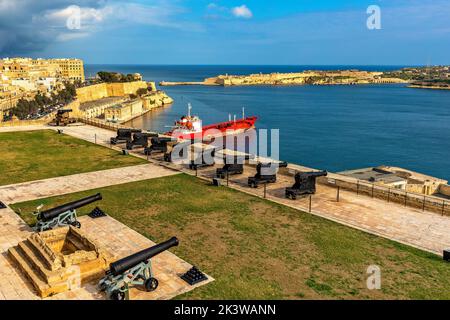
{"x":325,"y":127}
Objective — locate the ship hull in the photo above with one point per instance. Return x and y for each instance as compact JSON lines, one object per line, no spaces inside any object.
{"x":218,"y":129}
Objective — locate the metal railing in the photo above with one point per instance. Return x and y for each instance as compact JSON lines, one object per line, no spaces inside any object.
{"x":400,"y":196}
{"x":102,"y":123}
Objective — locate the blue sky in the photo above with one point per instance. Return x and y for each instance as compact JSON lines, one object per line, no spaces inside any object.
{"x":320,"y":32}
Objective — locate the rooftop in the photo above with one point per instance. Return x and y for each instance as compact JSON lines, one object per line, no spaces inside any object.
{"x":101,"y":102}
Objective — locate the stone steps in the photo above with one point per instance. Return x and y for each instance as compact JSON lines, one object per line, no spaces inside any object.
{"x":40,"y":278}
{"x":37,"y":262}
{"x":35,"y":278}
{"x":34,"y":260}
{"x":52,"y":268}
{"x":36,"y":247}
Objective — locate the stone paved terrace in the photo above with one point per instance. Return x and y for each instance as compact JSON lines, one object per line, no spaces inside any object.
{"x":425,"y":230}
{"x":110,"y":234}
{"x":79,"y":182}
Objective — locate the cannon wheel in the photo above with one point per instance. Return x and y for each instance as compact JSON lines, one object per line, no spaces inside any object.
{"x":76,"y":224}
{"x":118,"y":295}
{"x":151,"y":284}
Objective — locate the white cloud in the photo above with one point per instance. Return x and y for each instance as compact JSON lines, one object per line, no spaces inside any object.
{"x":242,"y":12}
{"x":8,"y":5}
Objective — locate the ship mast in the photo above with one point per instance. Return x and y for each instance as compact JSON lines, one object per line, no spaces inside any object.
{"x":189,"y":110}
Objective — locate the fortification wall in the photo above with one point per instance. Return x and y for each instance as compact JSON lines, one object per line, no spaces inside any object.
{"x":124,"y":88}
{"x":104,"y":90}
{"x":94,"y":92}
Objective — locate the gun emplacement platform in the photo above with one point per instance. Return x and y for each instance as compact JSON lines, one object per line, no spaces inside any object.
{"x":108,"y":234}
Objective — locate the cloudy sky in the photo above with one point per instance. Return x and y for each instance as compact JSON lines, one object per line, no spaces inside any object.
{"x":303,"y":32}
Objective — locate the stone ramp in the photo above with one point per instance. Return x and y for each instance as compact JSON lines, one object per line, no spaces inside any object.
{"x":51,"y":270}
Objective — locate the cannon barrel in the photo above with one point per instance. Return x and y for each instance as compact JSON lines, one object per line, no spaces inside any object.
{"x":54,"y":212}
{"x":60,"y":111}
{"x":122,"y":131}
{"x":315,"y":174}
{"x":138,"y":135}
{"x":282,"y":164}
{"x":122,"y":265}
{"x":159,"y":140}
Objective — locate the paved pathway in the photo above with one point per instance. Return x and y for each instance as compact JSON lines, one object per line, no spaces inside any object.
{"x":80,"y":182}
{"x":425,"y":230}
{"x":24,"y":128}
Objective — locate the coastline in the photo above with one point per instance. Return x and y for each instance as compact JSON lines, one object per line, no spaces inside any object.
{"x":314,"y":77}
{"x":378,"y":117}
{"x":429,"y":87}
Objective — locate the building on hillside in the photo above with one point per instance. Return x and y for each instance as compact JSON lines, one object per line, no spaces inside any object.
{"x":72,"y":69}
{"x":96,"y":108}
{"x":34,"y":69}
{"x":124,"y":111}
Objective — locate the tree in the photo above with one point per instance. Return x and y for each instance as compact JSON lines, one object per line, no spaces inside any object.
{"x":115,"y":77}
{"x":142,"y":91}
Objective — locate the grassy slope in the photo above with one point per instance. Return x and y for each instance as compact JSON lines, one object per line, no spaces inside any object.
{"x":256,"y":249}
{"x":33,"y":155}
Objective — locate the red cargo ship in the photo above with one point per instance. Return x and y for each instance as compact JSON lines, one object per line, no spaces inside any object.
{"x":190,"y":127}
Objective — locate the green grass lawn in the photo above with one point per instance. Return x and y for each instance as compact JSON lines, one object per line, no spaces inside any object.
{"x":256,"y":249}
{"x":34,"y":155}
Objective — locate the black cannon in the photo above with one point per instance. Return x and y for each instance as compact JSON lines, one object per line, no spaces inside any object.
{"x":158,"y":144}
{"x":62,"y":118}
{"x":265,"y":173}
{"x":124,"y":135}
{"x":305,"y":183}
{"x":233,"y":165}
{"x":63,"y":215}
{"x":179,"y":149}
{"x":140,"y":139}
{"x":203,"y":159}
{"x":230,"y":169}
{"x":133,"y":270}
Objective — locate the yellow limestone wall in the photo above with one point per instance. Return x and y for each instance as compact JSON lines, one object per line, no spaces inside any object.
{"x":126,"y":88}
{"x":104,"y":90}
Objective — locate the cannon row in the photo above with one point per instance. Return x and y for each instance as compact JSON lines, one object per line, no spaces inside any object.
{"x":266,"y":173}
